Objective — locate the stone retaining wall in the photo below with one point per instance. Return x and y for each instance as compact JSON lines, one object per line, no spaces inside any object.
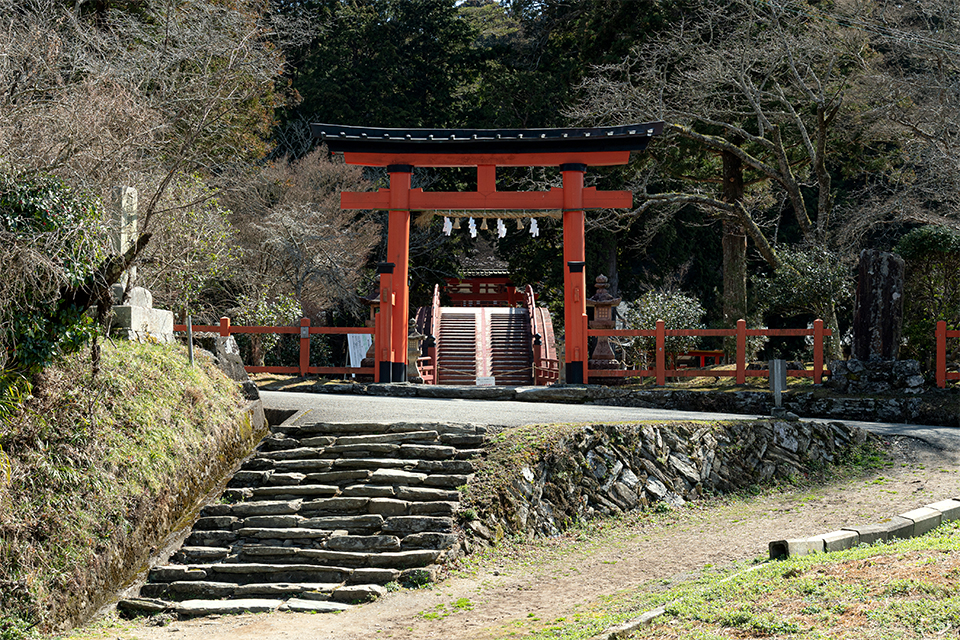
{"x":607,"y":469}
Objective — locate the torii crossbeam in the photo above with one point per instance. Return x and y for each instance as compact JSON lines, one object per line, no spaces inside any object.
{"x":399,"y":150}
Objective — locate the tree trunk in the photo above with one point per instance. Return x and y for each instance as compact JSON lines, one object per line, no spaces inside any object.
{"x":734,"y":251}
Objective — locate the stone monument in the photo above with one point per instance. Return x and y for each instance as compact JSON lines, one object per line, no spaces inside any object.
{"x":878,"y":314}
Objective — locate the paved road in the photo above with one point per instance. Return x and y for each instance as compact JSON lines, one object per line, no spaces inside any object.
{"x":348,"y":408}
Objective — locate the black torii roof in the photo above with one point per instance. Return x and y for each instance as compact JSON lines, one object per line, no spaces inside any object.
{"x":630,"y":137}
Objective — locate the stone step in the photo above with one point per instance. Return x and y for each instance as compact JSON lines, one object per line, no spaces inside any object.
{"x":446,"y":466}
{"x":265,"y":508}
{"x":338,"y":505}
{"x":262,"y":572}
{"x":461,"y":441}
{"x":314,"y":606}
{"x":191,"y":608}
{"x":296,"y":491}
{"x":211,"y":538}
{"x":361,"y":450}
{"x":362,"y":524}
{"x":395,"y":438}
{"x":404,"y":525}
{"x":188,"y":555}
{"x":274,"y":480}
{"x":407,"y":559}
{"x":284,"y":533}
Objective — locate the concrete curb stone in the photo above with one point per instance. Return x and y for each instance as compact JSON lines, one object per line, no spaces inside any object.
{"x":913,"y":523}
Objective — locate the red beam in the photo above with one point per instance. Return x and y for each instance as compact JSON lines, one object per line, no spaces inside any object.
{"x":590,"y":158}
{"x":421,"y":200}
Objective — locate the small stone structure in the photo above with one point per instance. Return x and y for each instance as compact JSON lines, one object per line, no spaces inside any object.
{"x":878,"y":315}
{"x":138,"y":320}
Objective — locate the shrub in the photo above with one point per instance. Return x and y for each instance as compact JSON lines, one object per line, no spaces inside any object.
{"x":931,"y":288}
{"x":676,"y":309}
{"x":51,"y":240}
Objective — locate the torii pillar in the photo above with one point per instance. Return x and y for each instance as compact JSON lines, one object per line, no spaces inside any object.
{"x":574,"y":278}
{"x":572,"y":150}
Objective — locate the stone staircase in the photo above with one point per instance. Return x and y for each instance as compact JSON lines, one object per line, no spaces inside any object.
{"x":511,"y":356}
{"x":321,"y":517}
{"x":457,"y":347}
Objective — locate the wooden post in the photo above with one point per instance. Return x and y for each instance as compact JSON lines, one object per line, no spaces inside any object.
{"x":384,"y":324}
{"x":398,"y":252}
{"x":574,"y":281}
{"x":304,"y":346}
{"x":661,"y":355}
{"x":224,"y":327}
{"x":741,"y":351}
{"x":537,"y":354}
{"x":817,"y":351}
{"x":942,"y":354}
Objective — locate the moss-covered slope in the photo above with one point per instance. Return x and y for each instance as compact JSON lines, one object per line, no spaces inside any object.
{"x":94,"y":471}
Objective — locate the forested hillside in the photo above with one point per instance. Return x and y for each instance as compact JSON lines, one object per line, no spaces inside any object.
{"x":797,"y":134}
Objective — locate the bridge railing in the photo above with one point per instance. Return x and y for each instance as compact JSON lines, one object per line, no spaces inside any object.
{"x":661,"y":373}
{"x":942,"y":374}
{"x":305,"y":331}
{"x":546,"y":369}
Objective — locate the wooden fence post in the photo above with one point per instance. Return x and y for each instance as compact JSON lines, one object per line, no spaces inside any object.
{"x":942,"y":354}
{"x":817,"y":351}
{"x":741,"y":351}
{"x":661,"y":354}
{"x":304,"y":346}
{"x":224,"y":327}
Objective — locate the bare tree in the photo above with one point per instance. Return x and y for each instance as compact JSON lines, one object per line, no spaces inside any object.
{"x":917,"y":93}
{"x":753,"y":96}
{"x":135,"y":97}
{"x":296,"y":239}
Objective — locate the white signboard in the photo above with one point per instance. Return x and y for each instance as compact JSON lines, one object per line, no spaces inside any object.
{"x":358,"y":344}
{"x":486,"y":381}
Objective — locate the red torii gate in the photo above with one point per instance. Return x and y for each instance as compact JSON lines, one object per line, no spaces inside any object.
{"x":400,"y":150}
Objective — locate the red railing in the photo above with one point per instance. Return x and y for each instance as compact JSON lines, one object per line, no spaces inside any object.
{"x":305,"y":331}
{"x":942,"y":374}
{"x":661,"y":372}
{"x":546,"y":369}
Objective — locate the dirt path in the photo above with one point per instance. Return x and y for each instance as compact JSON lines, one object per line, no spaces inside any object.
{"x":532,"y":585}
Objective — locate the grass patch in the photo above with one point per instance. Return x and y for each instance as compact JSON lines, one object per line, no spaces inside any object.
{"x":93,"y":468}
{"x":906,"y":589}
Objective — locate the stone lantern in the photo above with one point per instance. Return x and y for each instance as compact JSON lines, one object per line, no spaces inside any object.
{"x":603,"y":304}
{"x":372,"y":300}
{"x":414,"y":338}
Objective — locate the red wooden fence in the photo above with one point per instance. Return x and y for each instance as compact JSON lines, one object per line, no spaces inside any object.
{"x":305,"y":331}
{"x":661,"y":372}
{"x":942,"y":374}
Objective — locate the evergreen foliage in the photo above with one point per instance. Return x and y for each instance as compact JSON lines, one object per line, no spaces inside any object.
{"x":51,"y":240}
{"x":677,"y":310}
{"x":932,"y":288}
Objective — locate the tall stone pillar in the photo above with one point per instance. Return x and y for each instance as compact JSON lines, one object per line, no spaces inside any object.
{"x":878,"y":315}
{"x":124,"y":225}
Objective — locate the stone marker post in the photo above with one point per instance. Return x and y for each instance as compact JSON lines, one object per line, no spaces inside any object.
{"x":778,"y":380}
{"x":124,"y":226}
{"x":878,"y":314}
